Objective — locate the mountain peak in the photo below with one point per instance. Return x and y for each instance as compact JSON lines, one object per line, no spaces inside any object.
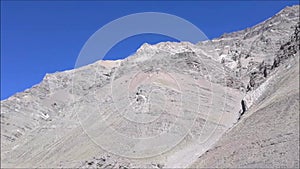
{"x":170,"y":47}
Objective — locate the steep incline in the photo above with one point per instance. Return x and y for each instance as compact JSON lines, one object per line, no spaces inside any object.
{"x":113,"y":103}
{"x":253,"y":53}
{"x":268,"y":135}
{"x":174,"y":99}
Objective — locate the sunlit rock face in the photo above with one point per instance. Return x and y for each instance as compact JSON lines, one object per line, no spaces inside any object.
{"x":229,"y":102}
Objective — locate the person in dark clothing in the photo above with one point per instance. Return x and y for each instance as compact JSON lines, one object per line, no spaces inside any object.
{"x":244,"y":108}
{"x":243,"y":103}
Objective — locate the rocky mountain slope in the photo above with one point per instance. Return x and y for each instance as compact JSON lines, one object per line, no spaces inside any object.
{"x":168,"y":105}
{"x":268,"y":134}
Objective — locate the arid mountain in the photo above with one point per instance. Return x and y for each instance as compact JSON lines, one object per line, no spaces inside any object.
{"x":267,"y":136}
{"x":229,"y":102}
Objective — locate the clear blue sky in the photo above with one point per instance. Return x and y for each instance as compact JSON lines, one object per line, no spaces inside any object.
{"x":45,"y":37}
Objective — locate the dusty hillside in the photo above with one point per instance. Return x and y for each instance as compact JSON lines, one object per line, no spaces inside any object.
{"x":268,"y":134}
{"x":166,"y":105}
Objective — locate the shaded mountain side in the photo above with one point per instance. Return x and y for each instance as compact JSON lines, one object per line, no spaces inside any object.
{"x":268,"y":135}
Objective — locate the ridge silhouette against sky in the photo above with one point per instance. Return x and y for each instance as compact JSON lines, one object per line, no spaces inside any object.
{"x":45,"y":37}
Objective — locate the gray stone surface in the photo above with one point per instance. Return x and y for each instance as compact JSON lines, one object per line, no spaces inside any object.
{"x":188,"y":95}
{"x":268,"y":134}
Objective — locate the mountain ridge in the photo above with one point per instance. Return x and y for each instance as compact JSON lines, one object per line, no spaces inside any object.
{"x":222,"y":72}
